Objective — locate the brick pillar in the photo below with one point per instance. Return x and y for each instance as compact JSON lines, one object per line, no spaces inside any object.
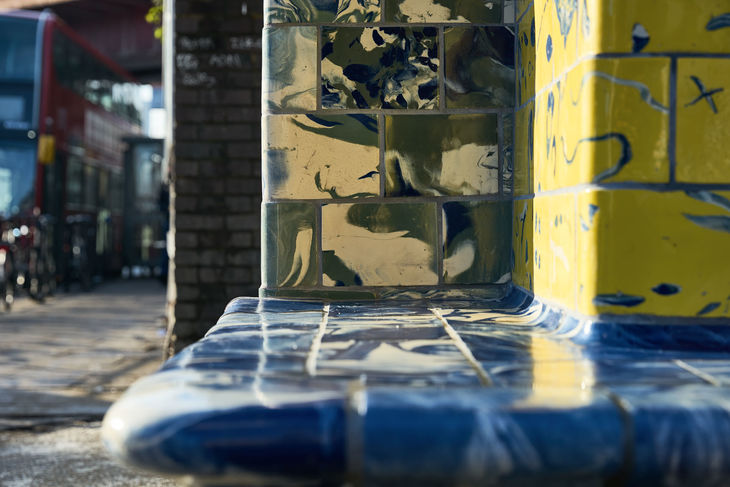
{"x":215,"y":162}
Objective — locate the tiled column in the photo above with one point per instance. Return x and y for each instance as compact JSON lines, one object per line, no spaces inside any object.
{"x":622,"y":173}
{"x":387,"y":147}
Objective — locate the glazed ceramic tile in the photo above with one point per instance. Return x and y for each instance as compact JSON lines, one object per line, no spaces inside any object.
{"x":671,"y":264}
{"x":524,"y":149}
{"x":322,"y":11}
{"x":556,"y":34}
{"x":522,"y":243}
{"x":379,"y":244}
{"x":290,"y":68}
{"x":526,"y":62}
{"x":289,"y":249}
{"x":444,"y":11}
{"x":479,"y":67}
{"x":384,"y":67}
{"x":624,"y":132}
{"x":436,"y":155}
{"x":554,"y":253}
{"x":703,"y":120}
{"x":650,"y":27}
{"x":312,"y":156}
{"x":522,"y":6}
{"x":476,"y":245}
{"x":508,"y":149}
{"x":607,"y":122}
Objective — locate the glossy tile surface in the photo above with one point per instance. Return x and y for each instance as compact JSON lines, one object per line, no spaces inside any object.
{"x":555,"y":262}
{"x":673,"y":263}
{"x":507,"y":152}
{"x":522,"y":243}
{"x":433,"y":392}
{"x":294,"y":11}
{"x":290,"y":247}
{"x":526,"y":62}
{"x":444,"y":11}
{"x":479,"y":67}
{"x":308,"y":156}
{"x":476,"y":247}
{"x":662,"y":26}
{"x":379,"y":244}
{"x":290,"y":69}
{"x":383,"y":67}
{"x":441,"y":155}
{"x":703,"y":120}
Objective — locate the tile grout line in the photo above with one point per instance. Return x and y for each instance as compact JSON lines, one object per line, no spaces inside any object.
{"x":318,"y":83}
{"x":464,"y":349}
{"x":500,"y":158}
{"x":311,"y":363}
{"x":697,"y":372}
{"x":442,"y":68}
{"x":381,"y":153}
{"x":440,"y":243}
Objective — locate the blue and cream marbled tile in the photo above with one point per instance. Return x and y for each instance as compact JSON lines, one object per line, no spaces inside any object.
{"x":508,"y":130}
{"x":290,"y":68}
{"x":379,"y":244}
{"x":313,"y":156}
{"x":479,"y":67}
{"x":477,"y":242}
{"x":477,"y":11}
{"x":322,"y":11}
{"x":289,"y":247}
{"x":384,"y":67}
{"x":437,"y":155}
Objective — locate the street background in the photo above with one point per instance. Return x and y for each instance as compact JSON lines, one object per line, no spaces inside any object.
{"x":62,"y":364}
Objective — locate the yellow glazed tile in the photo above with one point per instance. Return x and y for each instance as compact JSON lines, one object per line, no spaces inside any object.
{"x":608,"y":121}
{"x":545,"y":138}
{"x":556,"y":38}
{"x":522,"y":251}
{"x":657,"y":26}
{"x":524,"y":149}
{"x":526,"y":58}
{"x":703,"y":120}
{"x":654,"y":253}
{"x":554,"y":258}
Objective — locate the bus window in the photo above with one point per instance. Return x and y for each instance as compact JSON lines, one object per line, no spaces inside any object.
{"x":17,"y":176}
{"x":17,"y":49}
{"x":74,"y":181}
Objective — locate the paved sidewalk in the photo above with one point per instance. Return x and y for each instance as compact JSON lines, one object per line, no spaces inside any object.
{"x":62,"y":363}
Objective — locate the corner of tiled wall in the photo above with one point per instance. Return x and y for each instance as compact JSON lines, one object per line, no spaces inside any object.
{"x":622,"y":173}
{"x":387,"y":147}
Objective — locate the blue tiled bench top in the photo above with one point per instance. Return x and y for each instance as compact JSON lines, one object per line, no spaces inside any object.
{"x":433,"y":393}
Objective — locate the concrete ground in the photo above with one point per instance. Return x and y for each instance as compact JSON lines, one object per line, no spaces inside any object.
{"x":62,"y":364}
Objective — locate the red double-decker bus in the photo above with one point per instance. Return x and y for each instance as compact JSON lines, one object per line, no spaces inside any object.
{"x":64,"y":110}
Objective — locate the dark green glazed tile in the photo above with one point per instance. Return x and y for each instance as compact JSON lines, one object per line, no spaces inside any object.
{"x":379,"y":244}
{"x":290,"y":68}
{"x":313,"y":156}
{"x":322,"y":11}
{"x":507,"y":153}
{"x":477,"y":244}
{"x":290,"y":249}
{"x":479,"y":67}
{"x":477,"y":11}
{"x":437,"y":155}
{"x":385,"y":67}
